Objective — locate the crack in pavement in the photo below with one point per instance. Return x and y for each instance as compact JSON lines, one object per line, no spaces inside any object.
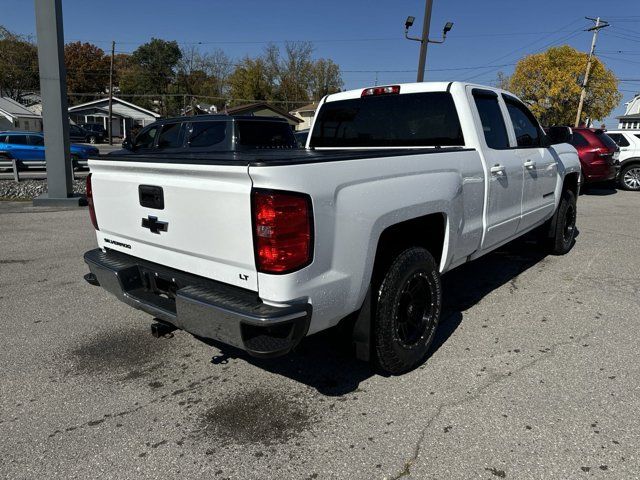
{"x":497,"y":379}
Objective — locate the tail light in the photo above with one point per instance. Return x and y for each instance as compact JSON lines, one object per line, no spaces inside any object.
{"x":388,"y":90}
{"x":92,"y":210}
{"x":283,"y":230}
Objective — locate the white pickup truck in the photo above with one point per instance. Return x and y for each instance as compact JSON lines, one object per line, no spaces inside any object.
{"x":397,"y":185}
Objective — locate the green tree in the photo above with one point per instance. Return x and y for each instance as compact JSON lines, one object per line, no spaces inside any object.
{"x":251,"y":80}
{"x":150,"y":71}
{"x":87,"y":71}
{"x":18,"y":65}
{"x":551,"y":82}
{"x":325,"y":78}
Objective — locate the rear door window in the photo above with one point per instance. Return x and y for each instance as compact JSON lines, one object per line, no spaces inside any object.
{"x":145,"y":138}
{"x":208,"y":134}
{"x":36,"y":140}
{"x":493,"y":126}
{"x":17,"y":139}
{"x":171,"y":136}
{"x":525,"y":126}
{"x":396,"y":120}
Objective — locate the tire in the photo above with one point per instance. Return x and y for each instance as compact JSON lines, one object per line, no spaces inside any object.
{"x":407,"y":311}
{"x":630,"y":177}
{"x":93,"y":139}
{"x":562,"y":228}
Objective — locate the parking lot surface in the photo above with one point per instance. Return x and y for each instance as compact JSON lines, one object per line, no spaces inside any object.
{"x":534,"y":374}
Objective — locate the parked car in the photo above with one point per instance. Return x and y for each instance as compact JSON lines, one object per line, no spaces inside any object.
{"x":598,"y":154}
{"x":258,"y":249}
{"x":206,"y":133}
{"x":629,"y":144}
{"x":28,"y":149}
{"x":79,"y":134}
{"x":97,"y":132}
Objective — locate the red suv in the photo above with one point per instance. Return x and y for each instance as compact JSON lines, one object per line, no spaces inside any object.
{"x":598,"y":154}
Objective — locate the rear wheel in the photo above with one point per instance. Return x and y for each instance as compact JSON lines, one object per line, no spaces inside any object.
{"x":408,"y":307}
{"x":562,"y":228}
{"x":630,"y":177}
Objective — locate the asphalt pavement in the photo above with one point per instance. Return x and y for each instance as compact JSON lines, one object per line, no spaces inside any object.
{"x":534,"y":374}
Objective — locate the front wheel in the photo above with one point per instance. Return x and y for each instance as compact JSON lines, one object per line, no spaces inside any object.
{"x":630,"y":177}
{"x":93,"y":139}
{"x":562,"y":228}
{"x":408,"y":307}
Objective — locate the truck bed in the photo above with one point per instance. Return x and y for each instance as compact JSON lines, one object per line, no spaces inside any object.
{"x":275,"y":157}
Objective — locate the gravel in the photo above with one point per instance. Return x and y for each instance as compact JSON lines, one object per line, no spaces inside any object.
{"x":28,"y":189}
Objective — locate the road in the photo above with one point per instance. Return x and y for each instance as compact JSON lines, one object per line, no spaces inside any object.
{"x":534,"y":374}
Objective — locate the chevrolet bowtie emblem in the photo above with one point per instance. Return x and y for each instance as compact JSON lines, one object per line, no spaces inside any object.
{"x":154,"y":225}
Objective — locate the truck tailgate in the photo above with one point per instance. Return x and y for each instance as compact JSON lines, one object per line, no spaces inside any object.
{"x":204,"y":226}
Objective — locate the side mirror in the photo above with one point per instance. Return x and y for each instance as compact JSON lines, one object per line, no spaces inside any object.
{"x":559,"y":135}
{"x":127,"y":144}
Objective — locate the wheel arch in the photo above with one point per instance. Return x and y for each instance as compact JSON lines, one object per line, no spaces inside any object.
{"x":427,"y":231}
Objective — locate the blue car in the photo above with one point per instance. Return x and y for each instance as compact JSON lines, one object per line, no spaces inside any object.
{"x":28,"y":149}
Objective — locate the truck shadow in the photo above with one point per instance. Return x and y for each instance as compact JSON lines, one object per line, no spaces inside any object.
{"x":326,"y":361}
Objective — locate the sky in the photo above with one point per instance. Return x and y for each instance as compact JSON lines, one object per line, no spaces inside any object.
{"x":364,"y":37}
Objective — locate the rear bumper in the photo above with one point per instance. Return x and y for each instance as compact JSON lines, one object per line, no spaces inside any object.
{"x":200,"y":306}
{"x":600,"y":171}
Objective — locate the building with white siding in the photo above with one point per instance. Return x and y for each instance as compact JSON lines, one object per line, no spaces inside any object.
{"x":631,"y":118}
{"x":125,"y":117}
{"x":14,"y":116}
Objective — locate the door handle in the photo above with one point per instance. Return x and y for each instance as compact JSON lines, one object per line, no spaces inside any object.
{"x":530,"y":164}
{"x":497,"y":170}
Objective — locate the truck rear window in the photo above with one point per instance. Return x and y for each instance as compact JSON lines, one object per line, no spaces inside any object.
{"x":405,"y":120}
{"x":257,"y":134}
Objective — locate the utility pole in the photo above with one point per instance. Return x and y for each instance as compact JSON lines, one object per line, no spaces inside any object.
{"x":424,"y":39}
{"x":595,"y":29}
{"x":113,"y":51}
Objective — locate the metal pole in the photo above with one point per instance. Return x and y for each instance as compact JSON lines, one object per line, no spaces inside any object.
{"x":113,"y":51}
{"x":583,"y":93}
{"x":425,"y":40}
{"x":55,"y":111}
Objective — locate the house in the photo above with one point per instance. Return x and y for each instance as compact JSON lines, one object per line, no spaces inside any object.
{"x":631,"y":117}
{"x":305,"y":114}
{"x":126,"y":115}
{"x":263,"y":109}
{"x":14,"y":116}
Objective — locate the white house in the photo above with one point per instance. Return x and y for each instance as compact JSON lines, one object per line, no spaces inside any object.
{"x":126,"y":115}
{"x":631,"y":117}
{"x":14,"y":116}
{"x":305,"y":114}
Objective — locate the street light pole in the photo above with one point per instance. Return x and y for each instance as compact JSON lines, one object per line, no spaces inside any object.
{"x":424,"y":43}
{"x":424,"y":39}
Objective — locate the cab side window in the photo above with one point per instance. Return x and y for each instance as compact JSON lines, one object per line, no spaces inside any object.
{"x":528,"y":134}
{"x":493,"y":126}
{"x":145,"y":138}
{"x":171,"y":136}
